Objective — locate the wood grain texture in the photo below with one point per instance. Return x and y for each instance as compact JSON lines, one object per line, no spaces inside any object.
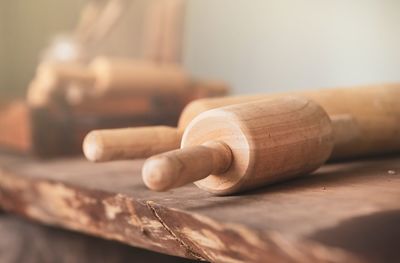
{"x":143,"y":142}
{"x":266,"y":141}
{"x":180,"y":167}
{"x":373,"y":110}
{"x":105,"y":145}
{"x":342,"y":213}
{"x":29,"y":242}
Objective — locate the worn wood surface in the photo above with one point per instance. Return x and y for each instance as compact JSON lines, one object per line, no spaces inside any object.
{"x":342,"y":213}
{"x":22,"y":241}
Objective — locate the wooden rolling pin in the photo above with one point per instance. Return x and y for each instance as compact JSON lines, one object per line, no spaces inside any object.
{"x":51,"y":77}
{"x":243,"y":146}
{"x":375,"y":111}
{"x":107,"y":75}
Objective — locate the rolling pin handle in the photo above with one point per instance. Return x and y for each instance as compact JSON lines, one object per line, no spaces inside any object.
{"x":179,"y":167}
{"x":130,"y":143}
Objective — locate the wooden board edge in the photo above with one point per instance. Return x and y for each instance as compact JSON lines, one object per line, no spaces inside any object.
{"x":146,"y":224}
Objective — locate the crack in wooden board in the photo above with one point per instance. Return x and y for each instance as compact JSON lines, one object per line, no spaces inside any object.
{"x":61,"y":246}
{"x":292,"y":221}
{"x":181,"y":242}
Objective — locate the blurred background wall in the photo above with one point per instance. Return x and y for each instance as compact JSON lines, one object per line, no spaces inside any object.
{"x":263,"y":45}
{"x":256,"y":45}
{"x":26,"y":27}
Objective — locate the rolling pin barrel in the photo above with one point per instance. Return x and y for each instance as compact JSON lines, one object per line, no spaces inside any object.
{"x":111,"y":76}
{"x":269,"y":141}
{"x":144,"y":77}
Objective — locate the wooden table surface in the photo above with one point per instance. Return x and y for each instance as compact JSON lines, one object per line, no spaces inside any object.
{"x":23,"y":241}
{"x":345,"y":212}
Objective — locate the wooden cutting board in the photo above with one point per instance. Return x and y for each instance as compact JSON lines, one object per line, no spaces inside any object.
{"x":341,"y":213}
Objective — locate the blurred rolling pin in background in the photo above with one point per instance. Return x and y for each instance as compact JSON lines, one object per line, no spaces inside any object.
{"x":67,"y":100}
{"x":374,"y":110}
{"x":120,"y":77}
{"x":245,"y":146}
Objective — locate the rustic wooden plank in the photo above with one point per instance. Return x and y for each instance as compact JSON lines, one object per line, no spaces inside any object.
{"x":28,"y":242}
{"x":342,"y":212}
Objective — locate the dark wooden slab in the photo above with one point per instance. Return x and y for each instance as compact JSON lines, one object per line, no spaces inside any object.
{"x":342,"y":213}
{"x":28,"y":242}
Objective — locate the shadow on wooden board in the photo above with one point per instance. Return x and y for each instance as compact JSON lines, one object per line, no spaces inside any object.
{"x":373,"y":235}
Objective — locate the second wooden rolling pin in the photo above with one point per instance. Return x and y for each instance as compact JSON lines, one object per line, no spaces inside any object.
{"x":375,"y":110}
{"x":105,"y":76}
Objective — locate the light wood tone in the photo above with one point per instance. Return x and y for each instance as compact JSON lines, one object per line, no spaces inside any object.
{"x":143,"y":142}
{"x":146,"y":77}
{"x":180,"y":167}
{"x":109,"y":75}
{"x":106,"y":77}
{"x":374,"y":110}
{"x":270,"y":140}
{"x":138,"y":76}
{"x":129,"y":143}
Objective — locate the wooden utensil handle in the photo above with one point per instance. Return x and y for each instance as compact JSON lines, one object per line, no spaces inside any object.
{"x":138,"y":77}
{"x":67,"y":73}
{"x":179,"y":167}
{"x":130,"y":143}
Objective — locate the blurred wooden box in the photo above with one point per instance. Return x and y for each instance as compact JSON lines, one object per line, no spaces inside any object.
{"x":59,"y":129}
